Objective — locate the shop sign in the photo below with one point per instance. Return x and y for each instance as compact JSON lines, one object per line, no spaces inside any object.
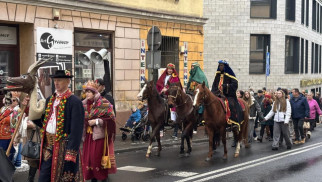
{"x":8,"y":35}
{"x":54,"y":41}
{"x":142,"y":63}
{"x":307,"y":83}
{"x":185,"y":64}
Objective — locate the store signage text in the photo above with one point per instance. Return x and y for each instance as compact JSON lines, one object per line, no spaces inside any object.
{"x":307,"y":83}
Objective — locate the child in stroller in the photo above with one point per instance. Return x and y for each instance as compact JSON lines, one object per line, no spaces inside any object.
{"x":137,"y":128}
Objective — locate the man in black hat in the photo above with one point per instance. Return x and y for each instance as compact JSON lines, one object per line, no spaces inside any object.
{"x":62,"y":129}
{"x":108,"y":96}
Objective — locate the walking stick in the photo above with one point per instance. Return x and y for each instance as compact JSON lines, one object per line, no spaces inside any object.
{"x":17,"y":128}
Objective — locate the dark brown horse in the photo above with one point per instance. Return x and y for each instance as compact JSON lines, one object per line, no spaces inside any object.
{"x":215,"y":119}
{"x":157,"y":112}
{"x":185,"y":111}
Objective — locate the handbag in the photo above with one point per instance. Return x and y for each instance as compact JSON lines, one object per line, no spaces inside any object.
{"x":306,"y":125}
{"x":106,"y":162}
{"x":32,"y":149}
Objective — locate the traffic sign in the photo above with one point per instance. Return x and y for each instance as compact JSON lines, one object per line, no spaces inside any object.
{"x":154,"y":38}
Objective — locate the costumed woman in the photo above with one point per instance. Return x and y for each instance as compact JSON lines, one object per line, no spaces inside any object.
{"x":8,"y":117}
{"x":99,"y":119}
{"x":197,"y":76}
{"x":171,"y":75}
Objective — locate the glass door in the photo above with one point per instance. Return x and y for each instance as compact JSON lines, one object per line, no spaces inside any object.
{"x":8,"y":66}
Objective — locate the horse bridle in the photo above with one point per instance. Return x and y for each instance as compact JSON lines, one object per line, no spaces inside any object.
{"x":177,"y":94}
{"x":205,"y":97}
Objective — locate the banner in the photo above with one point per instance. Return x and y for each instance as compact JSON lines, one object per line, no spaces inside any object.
{"x":185,"y":64}
{"x":142,"y":63}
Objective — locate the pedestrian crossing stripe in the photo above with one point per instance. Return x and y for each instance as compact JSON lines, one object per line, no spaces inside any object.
{"x":135,"y":169}
{"x":181,"y":174}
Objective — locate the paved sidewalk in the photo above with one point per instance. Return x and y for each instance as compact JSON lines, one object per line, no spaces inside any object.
{"x":167,"y":140}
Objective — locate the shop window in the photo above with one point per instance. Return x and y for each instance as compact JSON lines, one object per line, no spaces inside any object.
{"x":170,"y":51}
{"x":84,"y":71}
{"x":258,"y":48}
{"x":290,"y":10}
{"x":263,"y":9}
{"x":291,"y":55}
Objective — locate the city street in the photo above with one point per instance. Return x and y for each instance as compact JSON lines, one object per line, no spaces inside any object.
{"x":258,"y":163}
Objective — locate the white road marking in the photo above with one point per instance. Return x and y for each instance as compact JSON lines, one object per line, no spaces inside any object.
{"x":181,"y":173}
{"x":135,"y":169}
{"x":261,"y":160}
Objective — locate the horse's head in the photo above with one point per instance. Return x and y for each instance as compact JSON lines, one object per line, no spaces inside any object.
{"x":200,"y":94}
{"x":146,"y":90}
{"x":174,"y":92}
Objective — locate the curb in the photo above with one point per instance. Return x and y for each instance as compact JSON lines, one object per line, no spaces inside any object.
{"x":166,"y":143}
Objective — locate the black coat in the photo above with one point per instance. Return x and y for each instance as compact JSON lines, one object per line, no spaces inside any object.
{"x":230,"y":85}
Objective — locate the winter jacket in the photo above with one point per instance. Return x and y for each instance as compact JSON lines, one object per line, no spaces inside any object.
{"x":300,"y":107}
{"x":314,"y":108}
{"x":135,"y":116}
{"x":280,"y":116}
{"x":265,"y":111}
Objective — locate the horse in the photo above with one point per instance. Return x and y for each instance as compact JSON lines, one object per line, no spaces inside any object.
{"x":185,"y":111}
{"x":158,"y":111}
{"x":215,"y":119}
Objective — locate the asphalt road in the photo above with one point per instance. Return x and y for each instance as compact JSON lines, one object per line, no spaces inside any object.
{"x":256,"y":164}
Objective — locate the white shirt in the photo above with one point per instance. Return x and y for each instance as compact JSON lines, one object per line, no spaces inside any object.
{"x":166,"y":79}
{"x":51,"y":125}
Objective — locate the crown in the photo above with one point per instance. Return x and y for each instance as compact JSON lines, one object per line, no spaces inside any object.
{"x":170,"y":65}
{"x":91,"y":85}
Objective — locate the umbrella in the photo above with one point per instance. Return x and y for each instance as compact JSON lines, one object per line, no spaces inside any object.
{"x":7,"y":169}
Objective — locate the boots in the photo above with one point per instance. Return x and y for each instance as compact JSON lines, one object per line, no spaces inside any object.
{"x":32,"y":173}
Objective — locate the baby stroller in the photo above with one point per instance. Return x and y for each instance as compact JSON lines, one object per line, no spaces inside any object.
{"x":140,"y":130}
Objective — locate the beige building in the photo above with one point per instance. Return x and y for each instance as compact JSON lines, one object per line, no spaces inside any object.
{"x":64,"y":29}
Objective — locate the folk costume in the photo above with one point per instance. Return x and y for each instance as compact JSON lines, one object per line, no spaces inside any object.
{"x":225,"y":86}
{"x":8,"y":119}
{"x":163,"y":82}
{"x":101,"y":110}
{"x":197,"y":76}
{"x":61,"y":134}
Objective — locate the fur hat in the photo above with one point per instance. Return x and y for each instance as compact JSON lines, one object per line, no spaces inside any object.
{"x":92,"y":86}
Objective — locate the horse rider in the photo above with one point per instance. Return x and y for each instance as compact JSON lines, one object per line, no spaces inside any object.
{"x":169,"y":75}
{"x":197,"y":76}
{"x":225,"y":86}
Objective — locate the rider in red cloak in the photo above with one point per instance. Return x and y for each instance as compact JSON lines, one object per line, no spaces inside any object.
{"x":170,"y":74}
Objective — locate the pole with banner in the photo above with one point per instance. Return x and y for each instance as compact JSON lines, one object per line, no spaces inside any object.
{"x":185,"y":64}
{"x":267,"y":68}
{"x":142,"y":63}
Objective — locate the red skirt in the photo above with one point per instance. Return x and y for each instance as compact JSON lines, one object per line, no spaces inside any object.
{"x":92,"y":155}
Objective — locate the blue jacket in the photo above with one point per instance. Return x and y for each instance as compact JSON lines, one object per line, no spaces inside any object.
{"x":300,"y":107}
{"x":136,"y":116}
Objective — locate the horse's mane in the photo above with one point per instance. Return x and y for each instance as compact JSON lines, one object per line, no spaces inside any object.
{"x":155,"y":91}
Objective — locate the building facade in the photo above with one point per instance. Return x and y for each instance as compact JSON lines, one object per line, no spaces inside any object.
{"x":67,"y":29}
{"x":243,"y":31}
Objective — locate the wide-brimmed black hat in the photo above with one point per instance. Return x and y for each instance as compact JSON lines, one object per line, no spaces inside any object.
{"x":62,"y":74}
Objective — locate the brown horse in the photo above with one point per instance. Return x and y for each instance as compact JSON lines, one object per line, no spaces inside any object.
{"x":157,"y":112}
{"x":215,"y":119}
{"x":185,"y":111}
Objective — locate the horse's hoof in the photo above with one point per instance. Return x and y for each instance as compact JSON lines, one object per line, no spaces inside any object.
{"x":147,"y":155}
{"x":158,"y":154}
{"x":187,"y":154}
{"x":236,"y":155}
{"x":247,"y":145}
{"x":207,"y":159}
{"x":224,"y":157}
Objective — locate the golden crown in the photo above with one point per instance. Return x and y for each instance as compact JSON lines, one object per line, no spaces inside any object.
{"x":170,"y":65}
{"x":90,"y":84}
